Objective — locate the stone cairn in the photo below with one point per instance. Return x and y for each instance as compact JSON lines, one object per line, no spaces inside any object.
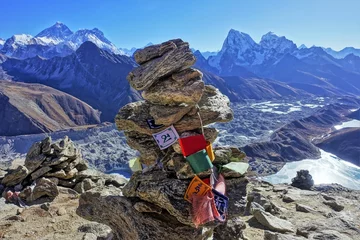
{"x":48,"y":165}
{"x":153,"y":205}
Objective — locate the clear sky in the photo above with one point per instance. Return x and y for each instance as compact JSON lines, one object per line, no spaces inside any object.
{"x":203,"y":23}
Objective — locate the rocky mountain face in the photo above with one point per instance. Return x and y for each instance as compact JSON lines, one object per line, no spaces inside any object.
{"x":344,"y":143}
{"x":312,"y":70}
{"x":91,"y":74}
{"x":57,"y":40}
{"x":35,"y":108}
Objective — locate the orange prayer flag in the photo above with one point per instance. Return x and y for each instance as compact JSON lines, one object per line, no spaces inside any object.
{"x":196,"y":187}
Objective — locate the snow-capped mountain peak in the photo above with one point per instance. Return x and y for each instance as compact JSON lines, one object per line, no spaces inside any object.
{"x":302,"y":46}
{"x":238,"y":40}
{"x":57,"y":33}
{"x":2,"y":42}
{"x":280,"y":44}
{"x":57,"y":40}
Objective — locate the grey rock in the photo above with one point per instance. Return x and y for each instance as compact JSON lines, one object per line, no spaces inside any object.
{"x":43,"y":187}
{"x":14,"y":177}
{"x":61,"y":211}
{"x":40,"y":172}
{"x":278,"y":236}
{"x":56,"y":161}
{"x":330,"y":235}
{"x":85,"y":185}
{"x":232,"y":229}
{"x":143,"y":55}
{"x":288,"y":199}
{"x":101,"y":231}
{"x":303,"y":208}
{"x":146,"y":145}
{"x":2,"y":173}
{"x":46,"y":145}
{"x":34,"y":158}
{"x":273,"y":223}
{"x":334,"y":205}
{"x":327,"y":197}
{"x":172,"y":61}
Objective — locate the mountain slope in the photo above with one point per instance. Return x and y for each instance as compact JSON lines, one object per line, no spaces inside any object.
{"x":90,"y":74}
{"x":344,"y":143}
{"x":35,"y":108}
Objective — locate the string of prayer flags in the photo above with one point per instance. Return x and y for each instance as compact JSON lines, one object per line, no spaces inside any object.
{"x":166,"y":137}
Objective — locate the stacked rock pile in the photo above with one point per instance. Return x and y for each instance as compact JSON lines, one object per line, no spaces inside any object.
{"x":48,"y":165}
{"x":168,"y":129}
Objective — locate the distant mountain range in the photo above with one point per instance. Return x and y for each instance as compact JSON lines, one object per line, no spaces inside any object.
{"x":57,"y":40}
{"x":91,"y":74}
{"x":88,"y":66}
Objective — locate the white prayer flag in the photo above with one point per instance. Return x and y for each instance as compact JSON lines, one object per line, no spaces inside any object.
{"x":166,"y":137}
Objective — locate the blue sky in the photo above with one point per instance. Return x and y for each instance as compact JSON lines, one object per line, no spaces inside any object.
{"x":203,"y":23}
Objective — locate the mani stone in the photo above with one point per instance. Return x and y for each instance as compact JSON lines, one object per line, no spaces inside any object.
{"x":172,"y":61}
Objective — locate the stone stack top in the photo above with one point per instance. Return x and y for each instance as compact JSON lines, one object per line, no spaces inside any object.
{"x":174,"y":95}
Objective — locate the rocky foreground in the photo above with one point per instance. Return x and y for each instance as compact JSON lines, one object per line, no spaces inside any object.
{"x":269,"y":212}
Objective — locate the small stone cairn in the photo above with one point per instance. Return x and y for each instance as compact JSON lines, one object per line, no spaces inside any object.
{"x":48,"y":165}
{"x":175,"y":96}
{"x":303,"y":180}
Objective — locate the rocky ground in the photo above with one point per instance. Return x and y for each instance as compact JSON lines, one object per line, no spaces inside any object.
{"x":325,"y":212}
{"x":46,"y":219}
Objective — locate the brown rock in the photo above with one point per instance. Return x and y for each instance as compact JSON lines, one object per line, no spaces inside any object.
{"x":143,"y":55}
{"x":214,"y":107}
{"x":171,"y":92}
{"x":167,"y":115}
{"x":172,"y":61}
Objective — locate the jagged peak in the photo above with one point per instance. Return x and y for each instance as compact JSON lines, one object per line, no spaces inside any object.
{"x":58,"y":30}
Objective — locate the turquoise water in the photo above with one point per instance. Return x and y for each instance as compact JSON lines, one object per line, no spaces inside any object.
{"x":328,"y":169}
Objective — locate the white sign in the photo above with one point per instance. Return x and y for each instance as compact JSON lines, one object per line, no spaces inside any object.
{"x":166,"y":137}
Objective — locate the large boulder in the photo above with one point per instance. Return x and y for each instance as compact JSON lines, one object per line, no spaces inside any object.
{"x":273,"y":223}
{"x":160,"y":189}
{"x":118,"y":212}
{"x":172,"y":61}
